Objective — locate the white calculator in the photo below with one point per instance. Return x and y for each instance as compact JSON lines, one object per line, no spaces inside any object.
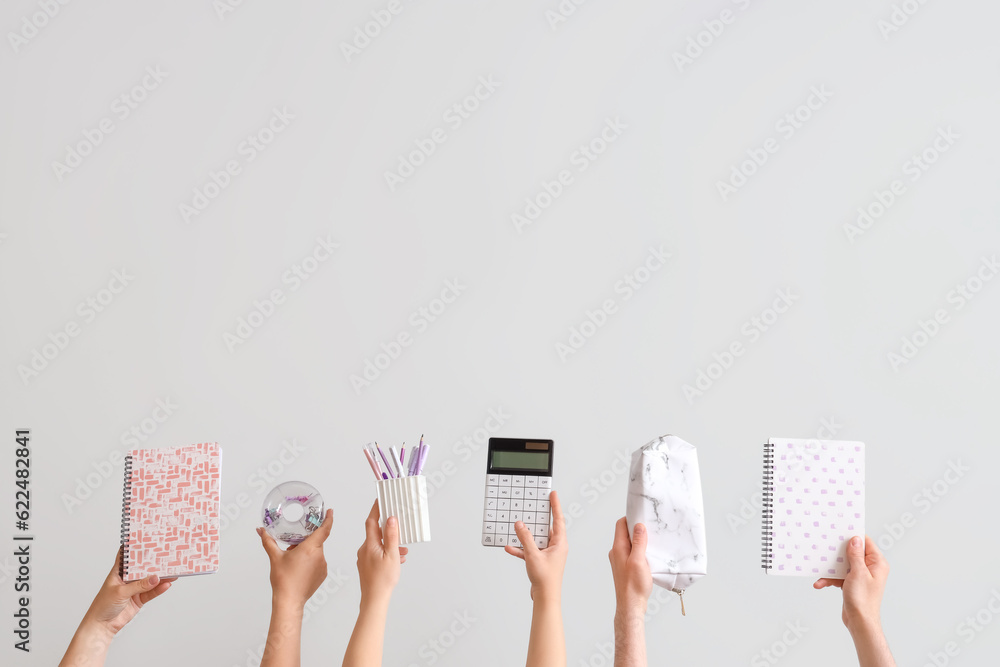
{"x":518,"y":482}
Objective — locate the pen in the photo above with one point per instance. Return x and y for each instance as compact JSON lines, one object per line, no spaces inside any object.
{"x":423,"y":458}
{"x":402,"y":452}
{"x":371,"y":462}
{"x":387,"y":466}
{"x":412,"y":468}
{"x":395,"y":461}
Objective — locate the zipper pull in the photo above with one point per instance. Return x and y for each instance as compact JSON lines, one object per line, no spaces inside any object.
{"x":680,"y":593}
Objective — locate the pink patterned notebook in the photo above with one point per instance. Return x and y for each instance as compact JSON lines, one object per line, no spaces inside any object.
{"x":170,"y":511}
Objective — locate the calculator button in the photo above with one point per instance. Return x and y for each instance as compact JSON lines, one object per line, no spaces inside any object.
{"x":515,"y":516}
{"x":491,"y":491}
{"x":528,"y":517}
{"x":501,"y":540}
{"x":530,"y":493}
{"x":505,"y":492}
{"x":518,"y":480}
{"x":491,"y":503}
{"x":542,"y":518}
{"x":503,"y":504}
{"x":513,"y":541}
{"x":504,"y":480}
{"x":503,"y":516}
{"x":543,"y":506}
{"x":493,"y":480}
{"x":502,"y":528}
{"x":489,"y":515}
{"x":540,"y":530}
{"x":516,"y":504}
{"x":531,"y":480}
{"x":517,"y":492}
{"x":489,"y":528}
{"x":543,"y":494}
{"x":544,"y":482}
{"x":541,"y":542}
{"x":529,"y":505}
{"x":489,"y":539}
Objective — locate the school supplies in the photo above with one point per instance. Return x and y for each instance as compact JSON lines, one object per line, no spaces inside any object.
{"x":664,"y":494}
{"x":170,"y":511}
{"x":814,"y":502}
{"x":292,"y":511}
{"x":518,"y":482}
{"x":402,"y":490}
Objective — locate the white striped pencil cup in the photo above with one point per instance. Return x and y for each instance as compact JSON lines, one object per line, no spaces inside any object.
{"x":406,"y":499}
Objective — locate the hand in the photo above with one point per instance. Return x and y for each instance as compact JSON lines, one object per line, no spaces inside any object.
{"x":298,"y":571}
{"x":545,"y":566}
{"x":118,"y":602}
{"x":633,"y":579}
{"x":379,"y":561}
{"x":864,"y":585}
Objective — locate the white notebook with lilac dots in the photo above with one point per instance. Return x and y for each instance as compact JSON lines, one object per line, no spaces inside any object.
{"x":814,"y":502}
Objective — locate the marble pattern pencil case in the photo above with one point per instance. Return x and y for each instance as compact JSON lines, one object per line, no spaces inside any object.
{"x":664,"y":494}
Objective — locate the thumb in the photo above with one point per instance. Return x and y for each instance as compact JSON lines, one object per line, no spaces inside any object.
{"x":270,"y":546}
{"x":142,"y":586}
{"x":640,"y":538}
{"x":391,"y":542}
{"x":856,"y":556}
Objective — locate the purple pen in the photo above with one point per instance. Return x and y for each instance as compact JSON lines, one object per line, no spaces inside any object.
{"x":387,"y":466}
{"x":402,"y":452}
{"x":422,"y":458}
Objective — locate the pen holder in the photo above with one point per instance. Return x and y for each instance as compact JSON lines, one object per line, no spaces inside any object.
{"x":406,"y":499}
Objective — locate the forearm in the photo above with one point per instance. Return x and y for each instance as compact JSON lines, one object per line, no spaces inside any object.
{"x":365,"y":647}
{"x":870,"y":643}
{"x":630,"y":637}
{"x":283,"y":636}
{"x":89,"y":646}
{"x":547,"y":644}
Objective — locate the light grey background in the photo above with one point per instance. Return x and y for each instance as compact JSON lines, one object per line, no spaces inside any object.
{"x":494,"y":348}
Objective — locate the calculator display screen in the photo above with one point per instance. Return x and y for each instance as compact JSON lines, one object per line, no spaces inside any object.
{"x":523,"y":460}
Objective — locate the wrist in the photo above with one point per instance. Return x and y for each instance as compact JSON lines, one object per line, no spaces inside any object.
{"x":546,"y":595}
{"x":627,"y":607}
{"x":287,"y":605}
{"x":376,"y":599}
{"x":861,"y":626}
{"x":96,"y":630}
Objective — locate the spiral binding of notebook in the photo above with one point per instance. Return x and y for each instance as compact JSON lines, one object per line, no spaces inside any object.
{"x":126,"y":516}
{"x":767,"y":512}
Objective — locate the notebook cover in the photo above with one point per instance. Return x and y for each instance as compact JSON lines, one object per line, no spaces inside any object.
{"x":170,"y":518}
{"x":814,"y":503}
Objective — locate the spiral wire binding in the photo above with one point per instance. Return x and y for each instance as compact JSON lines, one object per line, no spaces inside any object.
{"x":126,"y":516}
{"x":767,"y":512}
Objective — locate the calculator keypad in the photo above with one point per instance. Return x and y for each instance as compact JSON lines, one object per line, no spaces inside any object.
{"x":512,"y":498}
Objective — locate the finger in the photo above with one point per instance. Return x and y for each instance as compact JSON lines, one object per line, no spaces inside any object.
{"x":514,"y":551}
{"x":318,"y":536}
{"x":144,"y":585}
{"x":402,"y":559}
{"x":118,"y":562}
{"x":403,"y":551}
{"x":823,"y":583}
{"x":526,"y":538}
{"x":391,"y":542}
{"x":856,"y":557}
{"x":558,"y":532}
{"x":270,"y":546}
{"x":640,"y":538}
{"x":873,"y":555}
{"x":622,"y":545}
{"x":162,"y":588}
{"x":372,"y":531}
